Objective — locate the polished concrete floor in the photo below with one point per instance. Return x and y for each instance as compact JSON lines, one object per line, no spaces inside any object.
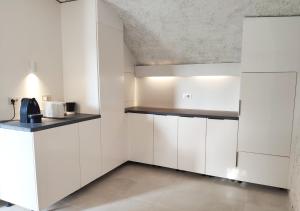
{"x":135,"y":187}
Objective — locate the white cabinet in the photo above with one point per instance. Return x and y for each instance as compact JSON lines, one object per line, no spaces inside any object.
{"x":265,"y":130}
{"x":266,"y":117}
{"x":140,"y":137}
{"x":44,"y":167}
{"x":93,"y":63}
{"x":90,"y":151}
{"x":191,"y":144}
{"x":263,"y":169}
{"x":57,"y":163}
{"x":17,"y":177}
{"x":165,"y":141}
{"x":221,"y":148}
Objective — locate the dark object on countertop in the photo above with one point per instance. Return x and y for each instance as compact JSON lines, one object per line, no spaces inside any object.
{"x":35,"y":118}
{"x":30,"y":111}
{"x":70,"y":107}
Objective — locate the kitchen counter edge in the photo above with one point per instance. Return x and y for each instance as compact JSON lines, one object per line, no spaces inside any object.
{"x":47,"y":123}
{"x":210,"y":114}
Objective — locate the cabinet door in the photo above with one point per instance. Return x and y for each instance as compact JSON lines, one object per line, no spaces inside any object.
{"x":267,"y":112}
{"x":263,"y":169}
{"x":165,"y":141}
{"x":90,"y":151}
{"x":57,"y":163}
{"x":140,"y":137}
{"x":191,"y":144}
{"x":221,"y":147}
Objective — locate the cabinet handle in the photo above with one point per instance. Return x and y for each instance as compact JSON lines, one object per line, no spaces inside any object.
{"x":240,"y":107}
{"x":237,"y":159}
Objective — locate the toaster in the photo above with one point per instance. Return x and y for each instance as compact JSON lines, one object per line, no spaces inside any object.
{"x":54,"y":109}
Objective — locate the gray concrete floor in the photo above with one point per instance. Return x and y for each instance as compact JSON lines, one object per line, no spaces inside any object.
{"x":135,"y":187}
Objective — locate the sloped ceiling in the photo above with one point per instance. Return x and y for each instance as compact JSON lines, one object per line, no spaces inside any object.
{"x":192,"y":31}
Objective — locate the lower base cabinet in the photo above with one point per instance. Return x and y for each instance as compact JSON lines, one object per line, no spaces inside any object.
{"x":165,"y":141}
{"x":44,"y":167}
{"x":90,"y":151}
{"x":263,"y":169}
{"x":221,"y":148}
{"x":191,"y":144}
{"x":140,"y":137}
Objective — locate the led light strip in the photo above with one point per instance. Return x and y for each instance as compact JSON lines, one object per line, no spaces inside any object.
{"x":64,"y":1}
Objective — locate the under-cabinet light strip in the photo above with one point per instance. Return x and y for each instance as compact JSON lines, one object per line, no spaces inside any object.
{"x":64,"y":1}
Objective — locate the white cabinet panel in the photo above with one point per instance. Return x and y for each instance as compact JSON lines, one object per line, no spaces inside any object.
{"x":111,"y":80}
{"x":191,"y":144}
{"x":165,"y":141}
{"x":267,"y":112}
{"x":90,"y":150}
{"x":80,"y":54}
{"x":57,"y":163}
{"x":221,"y":147}
{"x":140,"y":137}
{"x":17,"y":177}
{"x":263,"y":169}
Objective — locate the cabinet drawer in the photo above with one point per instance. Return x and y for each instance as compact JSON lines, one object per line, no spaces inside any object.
{"x":263,"y":169}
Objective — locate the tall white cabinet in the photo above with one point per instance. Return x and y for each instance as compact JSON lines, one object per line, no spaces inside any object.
{"x":93,"y":64}
{"x":265,"y":129}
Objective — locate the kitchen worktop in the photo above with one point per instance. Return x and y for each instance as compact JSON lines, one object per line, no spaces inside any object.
{"x":212,"y":114}
{"x":47,"y":123}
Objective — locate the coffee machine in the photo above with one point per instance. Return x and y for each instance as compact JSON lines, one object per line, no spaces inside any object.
{"x":30,"y":111}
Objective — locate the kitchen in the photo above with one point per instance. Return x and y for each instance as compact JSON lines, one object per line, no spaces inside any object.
{"x":151,"y":118}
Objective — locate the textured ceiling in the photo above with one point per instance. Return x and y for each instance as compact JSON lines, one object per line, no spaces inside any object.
{"x":192,"y":31}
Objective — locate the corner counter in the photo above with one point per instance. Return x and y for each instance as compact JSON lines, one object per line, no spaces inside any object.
{"x":47,"y":123}
{"x":43,"y":163}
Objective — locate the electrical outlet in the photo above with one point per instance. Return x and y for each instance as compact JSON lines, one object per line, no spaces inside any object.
{"x":11,"y":99}
{"x":46,"y":97}
{"x":187,"y":96}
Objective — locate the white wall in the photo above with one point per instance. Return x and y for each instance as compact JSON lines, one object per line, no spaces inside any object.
{"x":273,"y":45}
{"x":208,"y":92}
{"x":30,"y":31}
{"x":80,"y":54}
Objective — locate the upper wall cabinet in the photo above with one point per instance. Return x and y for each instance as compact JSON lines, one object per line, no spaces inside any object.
{"x":267,"y":110}
{"x":270,"y":44}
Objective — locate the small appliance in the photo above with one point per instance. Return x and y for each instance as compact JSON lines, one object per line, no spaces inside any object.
{"x":30,"y":111}
{"x":70,"y":108}
{"x":54,"y":109}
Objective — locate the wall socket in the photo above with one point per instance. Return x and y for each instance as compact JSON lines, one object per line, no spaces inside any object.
{"x":187,"y":96}
{"x":10,"y":99}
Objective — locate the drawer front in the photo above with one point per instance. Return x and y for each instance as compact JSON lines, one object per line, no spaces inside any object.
{"x":263,"y":169}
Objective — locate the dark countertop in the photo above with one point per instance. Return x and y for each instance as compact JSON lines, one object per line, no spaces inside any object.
{"x":47,"y":123}
{"x":232,"y":115}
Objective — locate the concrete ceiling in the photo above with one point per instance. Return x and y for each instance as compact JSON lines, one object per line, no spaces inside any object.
{"x":192,"y":31}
